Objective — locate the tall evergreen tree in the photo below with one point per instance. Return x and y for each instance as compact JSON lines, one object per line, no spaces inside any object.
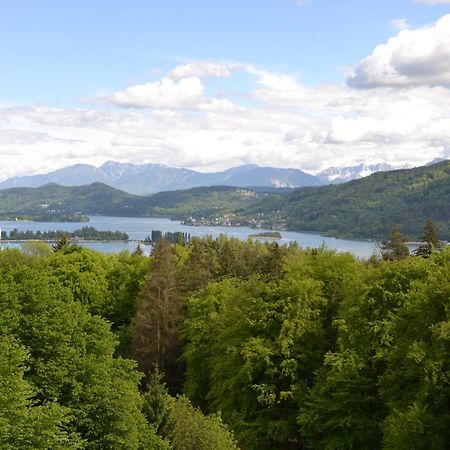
{"x":394,"y":248}
{"x":429,"y":239}
{"x":155,"y":337}
{"x":61,"y":244}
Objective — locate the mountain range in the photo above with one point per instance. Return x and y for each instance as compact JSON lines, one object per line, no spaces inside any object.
{"x":145,"y":179}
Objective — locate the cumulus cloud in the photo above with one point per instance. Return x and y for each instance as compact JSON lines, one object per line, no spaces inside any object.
{"x":161,"y":94}
{"x":202,"y":69}
{"x":412,"y":58}
{"x":187,"y":93}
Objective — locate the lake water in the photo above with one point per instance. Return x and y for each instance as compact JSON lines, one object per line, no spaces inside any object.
{"x":139,"y":228}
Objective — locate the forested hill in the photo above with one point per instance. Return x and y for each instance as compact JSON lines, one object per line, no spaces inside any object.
{"x":365,"y":208}
{"x":369,"y":207}
{"x":98,"y":198}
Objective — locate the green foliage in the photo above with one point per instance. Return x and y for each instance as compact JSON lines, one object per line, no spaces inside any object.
{"x":293,"y":348}
{"x":158,"y":406}
{"x":342,"y":408}
{"x":253,"y":346}
{"x":78,"y":392}
{"x":36,"y":249}
{"x":84,"y":272}
{"x":24,"y":425}
{"x":194,"y":431}
{"x":124,"y":277}
{"x":416,"y":383}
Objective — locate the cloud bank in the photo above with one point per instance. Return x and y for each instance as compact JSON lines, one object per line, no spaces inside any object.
{"x":395,"y":108}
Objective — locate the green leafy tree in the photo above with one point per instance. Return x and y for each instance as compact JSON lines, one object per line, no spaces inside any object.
{"x":245,"y":359}
{"x":25,"y":425}
{"x":195,"y":431}
{"x":85,"y":273}
{"x":126,"y":273}
{"x":342,"y":410}
{"x":415,"y":383}
{"x":36,"y":248}
{"x":71,"y":360}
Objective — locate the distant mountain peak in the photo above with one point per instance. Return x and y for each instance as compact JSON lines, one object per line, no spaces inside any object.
{"x":435,"y":161}
{"x":336,"y":175}
{"x":150,"y":178}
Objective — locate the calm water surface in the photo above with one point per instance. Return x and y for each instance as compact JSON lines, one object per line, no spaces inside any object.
{"x":139,"y":228}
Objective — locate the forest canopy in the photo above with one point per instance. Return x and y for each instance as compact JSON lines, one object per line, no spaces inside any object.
{"x":219,"y":343}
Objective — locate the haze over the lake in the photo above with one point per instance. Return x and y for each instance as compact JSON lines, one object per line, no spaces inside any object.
{"x":208,"y":85}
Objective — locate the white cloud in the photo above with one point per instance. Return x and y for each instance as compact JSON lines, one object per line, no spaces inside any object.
{"x":202,"y":69}
{"x":286,"y":124}
{"x":400,"y":24}
{"x":412,"y":58}
{"x":187,"y":93}
{"x":161,"y":94}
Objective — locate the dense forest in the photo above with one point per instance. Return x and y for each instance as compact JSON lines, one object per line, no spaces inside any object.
{"x":84,"y":233}
{"x":223,"y":344}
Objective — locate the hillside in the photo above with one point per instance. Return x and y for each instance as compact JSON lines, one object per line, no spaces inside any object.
{"x":100,"y":199}
{"x":369,"y":207}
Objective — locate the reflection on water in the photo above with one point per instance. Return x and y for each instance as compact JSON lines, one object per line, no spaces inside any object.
{"x":139,"y":228}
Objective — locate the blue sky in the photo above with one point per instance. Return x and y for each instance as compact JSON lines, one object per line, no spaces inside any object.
{"x":55,"y":51}
{"x":63,"y":57}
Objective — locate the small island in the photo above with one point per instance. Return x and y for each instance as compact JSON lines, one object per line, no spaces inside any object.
{"x":82,"y":234}
{"x":45,"y":217}
{"x":276,"y":235}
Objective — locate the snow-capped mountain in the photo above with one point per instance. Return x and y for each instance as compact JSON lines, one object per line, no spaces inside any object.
{"x":336,"y":175}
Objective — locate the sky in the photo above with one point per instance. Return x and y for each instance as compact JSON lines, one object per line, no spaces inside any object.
{"x":208,"y":85}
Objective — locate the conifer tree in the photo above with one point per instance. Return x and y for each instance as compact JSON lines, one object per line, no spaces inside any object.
{"x":430,"y":241}
{"x":61,"y":243}
{"x":394,"y":248}
{"x":155,"y":337}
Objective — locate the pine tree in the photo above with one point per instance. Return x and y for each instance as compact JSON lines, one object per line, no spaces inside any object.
{"x":61,"y":244}
{"x":138,"y":250}
{"x":394,"y":248}
{"x":155,"y":337}
{"x":430,"y":241}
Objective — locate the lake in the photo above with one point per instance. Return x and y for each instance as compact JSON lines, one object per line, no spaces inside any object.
{"x":139,"y":228}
